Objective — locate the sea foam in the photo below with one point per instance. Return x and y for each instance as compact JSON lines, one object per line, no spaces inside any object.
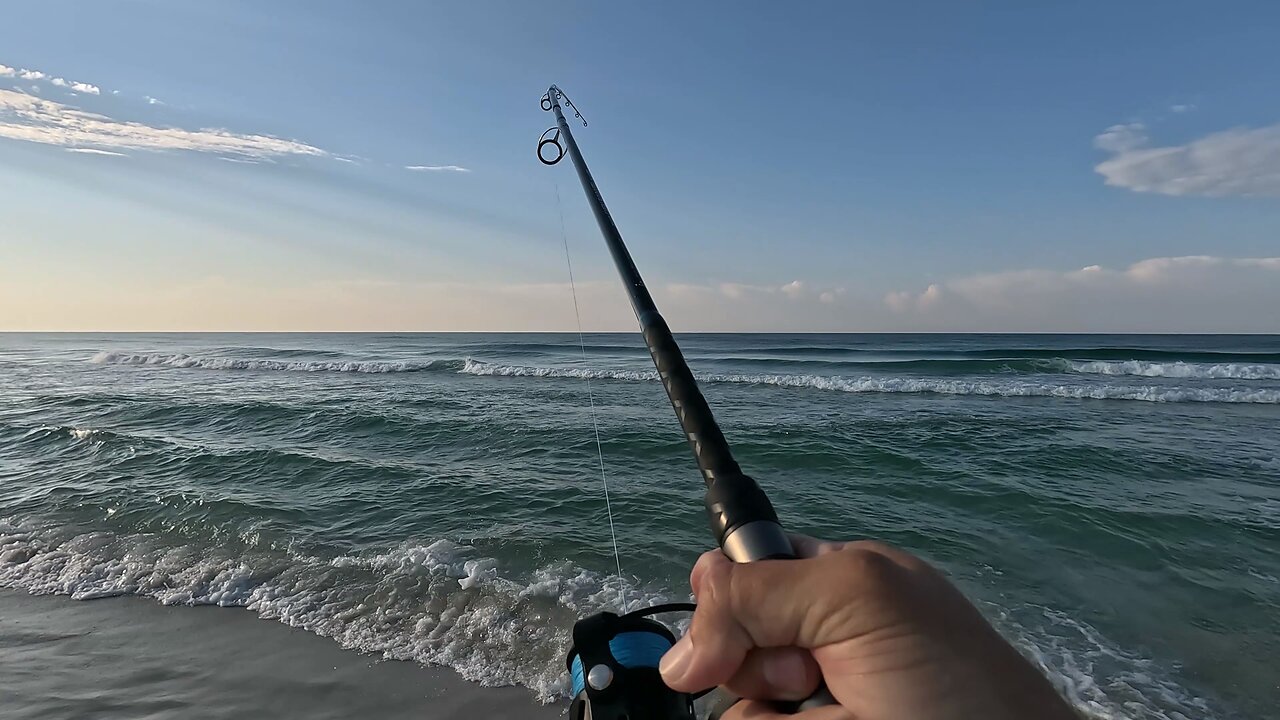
{"x":225,"y":363}
{"x":441,"y":603}
{"x":919,"y":385}
{"x":445,"y":603}
{"x":1146,"y":368}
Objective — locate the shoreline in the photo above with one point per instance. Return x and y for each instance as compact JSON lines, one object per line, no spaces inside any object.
{"x":129,"y":657}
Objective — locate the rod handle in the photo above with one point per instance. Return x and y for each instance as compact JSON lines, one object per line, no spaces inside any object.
{"x":766,"y":540}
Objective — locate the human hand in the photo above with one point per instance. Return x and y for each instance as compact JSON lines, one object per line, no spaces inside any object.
{"x":891,"y":637}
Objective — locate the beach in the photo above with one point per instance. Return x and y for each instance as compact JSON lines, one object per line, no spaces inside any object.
{"x":131,"y":659}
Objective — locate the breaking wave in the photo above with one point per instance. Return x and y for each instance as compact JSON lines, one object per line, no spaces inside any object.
{"x":445,"y":603}
{"x":440,"y":603}
{"x":1009,"y":388}
{"x":1179,"y":369}
{"x":226,"y":363}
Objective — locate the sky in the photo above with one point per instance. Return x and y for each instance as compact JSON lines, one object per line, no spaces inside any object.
{"x":843,"y":166}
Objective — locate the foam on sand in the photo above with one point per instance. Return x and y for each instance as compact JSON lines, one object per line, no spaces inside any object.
{"x":444,"y":603}
{"x":127,"y":657}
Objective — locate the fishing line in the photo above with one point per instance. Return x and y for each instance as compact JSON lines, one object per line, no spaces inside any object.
{"x":595,"y":424}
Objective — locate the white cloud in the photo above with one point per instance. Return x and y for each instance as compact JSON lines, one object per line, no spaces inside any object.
{"x":1182,"y":108}
{"x":152,"y":101}
{"x":6,"y":71}
{"x":24,"y":117}
{"x":76,"y":86}
{"x":1196,"y":293}
{"x":1189,"y":294}
{"x":905,"y":301}
{"x":1119,"y":138}
{"x":72,"y":85}
{"x":1240,"y":161}
{"x":437,"y":168}
{"x":95,"y":151}
{"x":793,"y":289}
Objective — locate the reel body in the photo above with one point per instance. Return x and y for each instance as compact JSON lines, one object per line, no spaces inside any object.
{"x":613,"y":667}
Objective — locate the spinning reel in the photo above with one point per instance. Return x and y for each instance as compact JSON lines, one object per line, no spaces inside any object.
{"x":613,"y":668}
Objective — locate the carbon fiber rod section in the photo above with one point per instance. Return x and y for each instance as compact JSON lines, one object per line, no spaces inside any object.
{"x":733,"y":500}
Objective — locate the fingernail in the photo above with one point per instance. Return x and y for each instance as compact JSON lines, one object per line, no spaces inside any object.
{"x":676,"y":662}
{"x":786,"y":671}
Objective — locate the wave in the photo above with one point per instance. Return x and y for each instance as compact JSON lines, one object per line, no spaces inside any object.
{"x":1123,"y":353}
{"x":226,"y":363}
{"x":277,"y":352}
{"x":45,"y":432}
{"x":1012,"y":388}
{"x":477,"y":367}
{"x":446,"y":603}
{"x":1025,"y":353}
{"x":1179,"y":369}
{"x":438,"y":603}
{"x":923,"y":366}
{"x":1025,"y":366}
{"x":1102,"y":681}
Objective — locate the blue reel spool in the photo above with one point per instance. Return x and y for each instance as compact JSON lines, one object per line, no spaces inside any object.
{"x":630,"y":650}
{"x":613,"y":669}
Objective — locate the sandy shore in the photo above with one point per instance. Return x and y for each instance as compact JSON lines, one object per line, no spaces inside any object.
{"x":129,"y":658}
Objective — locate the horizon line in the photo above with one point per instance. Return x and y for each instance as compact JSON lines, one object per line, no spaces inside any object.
{"x":626,"y":332}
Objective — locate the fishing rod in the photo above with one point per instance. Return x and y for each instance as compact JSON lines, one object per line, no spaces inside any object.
{"x":613,"y":662}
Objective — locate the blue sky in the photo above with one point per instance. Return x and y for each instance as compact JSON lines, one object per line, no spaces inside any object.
{"x":825,"y":166}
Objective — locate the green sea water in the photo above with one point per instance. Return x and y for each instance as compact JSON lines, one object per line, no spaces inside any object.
{"x":1111,"y":502}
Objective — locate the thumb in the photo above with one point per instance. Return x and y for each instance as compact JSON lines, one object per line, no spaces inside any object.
{"x":806,"y":603}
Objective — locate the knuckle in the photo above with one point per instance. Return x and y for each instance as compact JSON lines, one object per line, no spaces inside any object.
{"x":716,"y":585}
{"x":705,"y":563}
{"x":902,"y":558}
{"x":871,"y":570}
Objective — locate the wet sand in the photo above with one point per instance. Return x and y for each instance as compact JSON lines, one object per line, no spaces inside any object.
{"x":129,"y":658}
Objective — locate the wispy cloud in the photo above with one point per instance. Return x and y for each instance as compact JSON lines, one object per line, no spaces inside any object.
{"x":96,"y":151}
{"x":1173,"y":294}
{"x":1194,"y":293}
{"x":24,"y":117}
{"x":1182,"y":107}
{"x":6,"y":71}
{"x":437,"y":168}
{"x":1240,"y":161}
{"x":794,"y":289}
{"x":1121,"y":138}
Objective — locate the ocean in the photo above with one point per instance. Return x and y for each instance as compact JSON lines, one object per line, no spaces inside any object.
{"x":1112,"y":503}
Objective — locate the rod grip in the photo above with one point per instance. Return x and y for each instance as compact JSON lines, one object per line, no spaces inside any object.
{"x":762,"y":539}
